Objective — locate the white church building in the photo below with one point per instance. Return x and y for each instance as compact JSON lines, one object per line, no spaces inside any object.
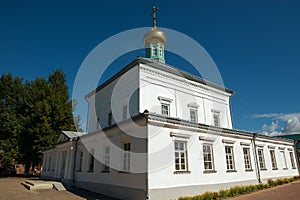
{"x":157,"y":132}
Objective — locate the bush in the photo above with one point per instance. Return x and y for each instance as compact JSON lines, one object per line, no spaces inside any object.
{"x":237,"y":190}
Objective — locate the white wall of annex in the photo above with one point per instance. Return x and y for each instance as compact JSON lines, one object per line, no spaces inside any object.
{"x":112,"y":98}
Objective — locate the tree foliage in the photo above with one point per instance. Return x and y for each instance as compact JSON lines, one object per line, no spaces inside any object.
{"x":32,"y":115}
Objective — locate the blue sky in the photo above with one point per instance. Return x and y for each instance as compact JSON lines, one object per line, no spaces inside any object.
{"x":255,"y":45}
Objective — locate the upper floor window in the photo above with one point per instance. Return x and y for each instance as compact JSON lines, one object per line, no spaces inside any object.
{"x":165,"y":105}
{"x":247,"y":158}
{"x":292,"y":160}
{"x":165,"y":109}
{"x":273,"y":159}
{"x":126,"y":157}
{"x":194,"y":115}
{"x":216,"y":118}
{"x":109,"y":120}
{"x":125,"y":112}
{"x":208,"y":157}
{"x":160,"y":52}
{"x":229,"y":158}
{"x":180,"y":156}
{"x":154,"y":51}
{"x":261,"y":159}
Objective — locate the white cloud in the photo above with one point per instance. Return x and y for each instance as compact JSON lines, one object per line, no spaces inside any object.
{"x":291,"y":120}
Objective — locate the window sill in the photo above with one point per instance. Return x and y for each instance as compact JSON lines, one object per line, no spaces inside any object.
{"x":231,"y":171}
{"x":294,"y":168}
{"x":248,"y":170}
{"x":275,"y":169}
{"x":182,"y":172}
{"x":209,"y":171}
{"x":105,"y":171}
{"x":263,"y":169}
{"x":78,"y":170}
{"x":90,"y":171}
{"x":285,"y":169}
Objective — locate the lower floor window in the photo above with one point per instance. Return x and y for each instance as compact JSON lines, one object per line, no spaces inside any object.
{"x":229,"y":158}
{"x":180,"y":156}
{"x":208,"y":157}
{"x":247,"y":158}
{"x":126,"y":157}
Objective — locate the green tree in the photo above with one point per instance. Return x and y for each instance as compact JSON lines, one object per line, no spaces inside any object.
{"x":11,"y":118}
{"x":48,"y":112}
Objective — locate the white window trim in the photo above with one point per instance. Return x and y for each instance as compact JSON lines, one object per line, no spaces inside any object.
{"x":233,"y":160}
{"x":284,"y":159}
{"x":212,"y":158}
{"x":273,"y":159}
{"x":126,"y":161}
{"x":106,"y":160}
{"x":263,"y":159}
{"x":247,"y":157}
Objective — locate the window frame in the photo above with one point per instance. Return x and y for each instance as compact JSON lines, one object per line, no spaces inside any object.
{"x":230,"y":167}
{"x":216,"y":117}
{"x":106,"y":161}
{"x":91,"y":163}
{"x":262,"y":157}
{"x":273,"y":159}
{"x":211,"y":161}
{"x":179,"y":157}
{"x":293,"y":164}
{"x":247,"y":159}
{"x":195,"y":111}
{"x":125,"y":112}
{"x":284,"y":159}
{"x":126,"y":161}
{"x":166,"y":110}
{"x":80,"y":161}
{"x":109,"y":119}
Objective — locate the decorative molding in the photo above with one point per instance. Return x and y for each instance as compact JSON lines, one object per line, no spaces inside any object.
{"x":165,"y":75}
{"x":228,"y":141}
{"x":215,"y":111}
{"x":260,"y":145}
{"x":281,"y":148}
{"x":206,"y":139}
{"x":271,"y":147}
{"x":193,"y":105}
{"x":164,"y":99}
{"x":245,"y":144}
{"x":179,"y":135}
{"x":290,"y":149}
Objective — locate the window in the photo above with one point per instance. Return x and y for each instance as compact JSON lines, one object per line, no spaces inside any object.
{"x":208,"y":157}
{"x":80,"y":155}
{"x":180,"y":156}
{"x":273,"y":159}
{"x":194,"y":115}
{"x":261,"y":159}
{"x":284,"y":159}
{"x":165,"y":109}
{"x":125,"y":112}
{"x":160,"y":52}
{"x":91,"y":161}
{"x":109,"y":121}
{"x":229,"y":158}
{"x":154,"y":49}
{"x":292,"y":160}
{"x":106,"y":159}
{"x":126,"y":157}
{"x":247,"y":158}
{"x":216,"y":119}
{"x":49,"y":164}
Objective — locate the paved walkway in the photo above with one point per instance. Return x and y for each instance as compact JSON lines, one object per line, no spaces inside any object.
{"x":11,"y":189}
{"x":290,"y":191}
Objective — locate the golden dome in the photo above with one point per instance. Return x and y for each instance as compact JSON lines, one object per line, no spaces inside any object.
{"x":155,"y":36}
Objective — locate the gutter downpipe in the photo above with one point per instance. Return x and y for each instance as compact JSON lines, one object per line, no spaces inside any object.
{"x":146,"y":115}
{"x":256,"y":159}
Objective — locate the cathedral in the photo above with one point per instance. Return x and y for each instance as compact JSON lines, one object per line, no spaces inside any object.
{"x":157,"y":132}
